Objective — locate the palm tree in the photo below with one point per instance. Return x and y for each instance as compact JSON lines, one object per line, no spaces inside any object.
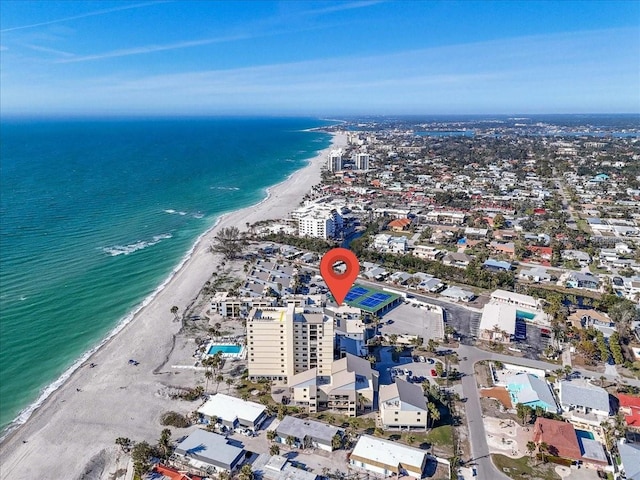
{"x":543,"y":448}
{"x":219,"y":378}
{"x":208,"y":374}
{"x":362,"y":400}
{"x":274,"y":450}
{"x":271,"y":435}
{"x":165,"y":442}
{"x":434,"y":413}
{"x":290,"y":440}
{"x":229,"y":382}
{"x":336,"y":441}
{"x":531,"y":447}
{"x":246,"y":473}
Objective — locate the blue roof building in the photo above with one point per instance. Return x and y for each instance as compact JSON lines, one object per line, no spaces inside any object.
{"x":497,"y":265}
{"x":532,"y":391}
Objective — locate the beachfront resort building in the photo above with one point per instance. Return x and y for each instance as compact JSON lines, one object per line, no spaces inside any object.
{"x":334,"y":160}
{"x":285,"y":341}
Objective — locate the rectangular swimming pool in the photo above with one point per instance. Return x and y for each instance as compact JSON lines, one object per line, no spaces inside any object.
{"x":525,"y":315}
{"x":236,"y":349}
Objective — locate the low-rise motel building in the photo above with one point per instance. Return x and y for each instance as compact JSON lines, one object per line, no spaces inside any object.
{"x":391,"y":458}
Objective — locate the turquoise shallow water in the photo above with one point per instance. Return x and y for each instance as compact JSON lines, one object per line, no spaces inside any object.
{"x":94,"y":215}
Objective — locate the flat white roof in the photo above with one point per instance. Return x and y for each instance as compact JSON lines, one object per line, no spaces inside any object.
{"x":504,"y":316}
{"x":388,"y":453}
{"x":516,"y":297}
{"x":229,"y":408}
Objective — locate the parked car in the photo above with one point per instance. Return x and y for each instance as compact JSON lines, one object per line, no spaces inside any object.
{"x":407,"y":372}
{"x":434,"y":373}
{"x":431,"y":361}
{"x":422,"y":359}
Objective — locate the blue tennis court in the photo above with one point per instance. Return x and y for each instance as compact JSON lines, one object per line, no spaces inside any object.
{"x":370,"y":299}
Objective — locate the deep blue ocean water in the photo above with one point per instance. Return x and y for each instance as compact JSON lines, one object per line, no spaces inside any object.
{"x":96,"y":214}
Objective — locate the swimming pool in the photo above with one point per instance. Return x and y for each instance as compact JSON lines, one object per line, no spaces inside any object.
{"x":228,"y":349}
{"x":525,"y":315}
{"x":584,"y":434}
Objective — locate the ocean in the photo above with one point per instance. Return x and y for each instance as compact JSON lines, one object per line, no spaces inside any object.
{"x":96,"y":214}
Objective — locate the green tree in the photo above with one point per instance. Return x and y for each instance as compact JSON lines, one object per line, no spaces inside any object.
{"x":336,"y":441}
{"x":543,"y":448}
{"x":124,"y":443}
{"x":499,"y":221}
{"x":271,"y":435}
{"x":229,"y":243}
{"x":531,"y":447}
{"x":616,"y":349}
{"x":141,"y":455}
{"x":165,"y":442}
{"x":291,"y":440}
{"x":246,"y":473}
{"x":439,"y":368}
{"x":274,"y":450}
{"x":434,"y":413}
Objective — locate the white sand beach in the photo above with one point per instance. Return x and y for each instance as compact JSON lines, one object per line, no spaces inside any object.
{"x":72,"y":434}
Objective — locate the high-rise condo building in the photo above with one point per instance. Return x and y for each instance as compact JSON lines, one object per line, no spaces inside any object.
{"x":334,"y":160}
{"x":284,"y":341}
{"x":362,"y":161}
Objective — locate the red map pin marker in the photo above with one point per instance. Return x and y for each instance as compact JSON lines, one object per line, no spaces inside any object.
{"x":339,"y":283}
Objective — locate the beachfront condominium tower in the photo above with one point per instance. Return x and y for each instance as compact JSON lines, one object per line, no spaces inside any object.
{"x":334,"y":160}
{"x":362,"y":161}
{"x":284,"y":341}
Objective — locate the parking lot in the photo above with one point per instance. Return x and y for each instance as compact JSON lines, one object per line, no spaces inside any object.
{"x":413,"y":320}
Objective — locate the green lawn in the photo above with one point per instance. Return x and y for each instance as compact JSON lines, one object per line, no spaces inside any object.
{"x":524,"y":468}
{"x":441,"y":436}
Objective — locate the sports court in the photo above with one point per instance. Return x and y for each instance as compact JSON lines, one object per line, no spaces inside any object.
{"x":371,"y":300}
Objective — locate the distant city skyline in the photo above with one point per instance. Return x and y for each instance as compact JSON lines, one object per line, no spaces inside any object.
{"x":319,"y":58}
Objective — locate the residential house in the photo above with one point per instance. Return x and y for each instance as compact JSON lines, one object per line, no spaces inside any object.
{"x":278,"y":467}
{"x":535,"y":274}
{"x":460,"y":260}
{"x":532,"y":391}
{"x":630,"y":408}
{"x":584,"y":398}
{"x":427,"y":252}
{"x":501,"y":248}
{"x":497,"y":265}
{"x":403,"y":406}
{"x":399,"y":224}
{"x":579,"y":280}
{"x":388,"y":458}
{"x":307,"y":433}
{"x":207,"y":453}
{"x":458,"y":294}
{"x":629,"y":459}
{"x":582,"y":258}
{"x":559,"y":436}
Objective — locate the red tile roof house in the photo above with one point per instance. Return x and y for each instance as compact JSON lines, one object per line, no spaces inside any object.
{"x":542,"y":252}
{"x":560,"y":436}
{"x":399,"y":225}
{"x":630,"y":408}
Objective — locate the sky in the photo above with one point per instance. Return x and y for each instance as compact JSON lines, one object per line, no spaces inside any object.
{"x":332,"y":58}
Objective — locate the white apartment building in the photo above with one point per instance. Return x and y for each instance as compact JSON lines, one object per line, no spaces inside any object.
{"x":334,"y":160}
{"x":284,"y":341}
{"x":362,"y":161}
{"x":320,"y":223}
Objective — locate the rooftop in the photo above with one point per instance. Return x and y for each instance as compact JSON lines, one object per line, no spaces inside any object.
{"x":210,"y":448}
{"x":300,"y":428}
{"x":388,"y":453}
{"x":584,"y":394}
{"x":229,"y":408}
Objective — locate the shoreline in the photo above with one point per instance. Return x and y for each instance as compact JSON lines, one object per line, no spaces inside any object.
{"x":143,"y":334}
